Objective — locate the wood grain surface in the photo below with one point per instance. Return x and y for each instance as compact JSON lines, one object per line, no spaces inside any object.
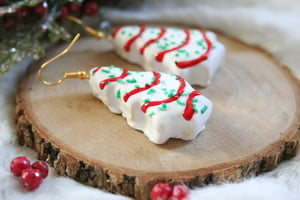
{"x":253,"y":127}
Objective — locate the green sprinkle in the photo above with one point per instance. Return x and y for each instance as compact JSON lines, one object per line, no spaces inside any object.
{"x":163,"y":106}
{"x":165,"y":39}
{"x":118,"y":94}
{"x":164,"y":89}
{"x":120,"y":81}
{"x":203,"y":110}
{"x":123,"y":32}
{"x":171,"y":93}
{"x":105,"y":71}
{"x":146,"y":100}
{"x":162,"y":47}
{"x":180,"y":102}
{"x":197,"y":52}
{"x":200,"y":42}
{"x":151,"y":114}
{"x":151,"y":91}
{"x":111,"y":67}
{"x":194,"y":100}
{"x":184,"y":94}
{"x":131,"y":80}
{"x":111,"y":76}
{"x":181,"y":50}
{"x":136,"y":86}
{"x":196,"y":110}
{"x":187,"y":54}
{"x":130,"y":34}
{"x":214,"y":47}
{"x":176,"y":55}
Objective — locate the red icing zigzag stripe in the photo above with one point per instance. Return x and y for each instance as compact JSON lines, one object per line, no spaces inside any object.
{"x":161,"y":34}
{"x":103,"y":83}
{"x":131,"y":40}
{"x":95,"y":70}
{"x":190,"y":63}
{"x":180,"y":90}
{"x":189,"y":111}
{"x":160,"y":56}
{"x":147,"y":86}
{"x":116,"y":31}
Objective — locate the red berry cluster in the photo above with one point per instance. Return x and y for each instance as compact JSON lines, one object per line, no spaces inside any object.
{"x":163,"y":191}
{"x":88,"y":8}
{"x":31,"y":175}
{"x":24,"y":12}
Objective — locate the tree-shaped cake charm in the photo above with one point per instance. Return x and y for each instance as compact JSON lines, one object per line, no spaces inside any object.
{"x":161,"y":105}
{"x":193,"y":54}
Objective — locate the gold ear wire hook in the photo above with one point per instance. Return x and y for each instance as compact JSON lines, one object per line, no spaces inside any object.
{"x":87,"y":29}
{"x":80,"y":74}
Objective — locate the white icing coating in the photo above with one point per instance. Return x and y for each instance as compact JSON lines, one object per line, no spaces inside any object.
{"x":159,"y":122}
{"x":199,"y":73}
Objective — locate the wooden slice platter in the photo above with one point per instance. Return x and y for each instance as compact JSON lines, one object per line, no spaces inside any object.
{"x":253,"y":127}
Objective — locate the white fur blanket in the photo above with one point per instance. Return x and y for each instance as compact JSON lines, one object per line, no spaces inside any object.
{"x":271,"y":24}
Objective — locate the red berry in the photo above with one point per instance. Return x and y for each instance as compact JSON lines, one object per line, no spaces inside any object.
{"x":63,"y":13}
{"x":31,"y":179}
{"x":42,"y":166}
{"x":90,"y":8}
{"x":23,"y":12}
{"x":73,"y":7}
{"x":161,"y":191}
{"x":18,"y":164}
{"x":180,"y":192}
{"x":40,"y":9}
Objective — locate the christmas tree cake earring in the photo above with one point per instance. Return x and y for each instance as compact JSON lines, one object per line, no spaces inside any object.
{"x":161,"y":105}
{"x":193,"y":54}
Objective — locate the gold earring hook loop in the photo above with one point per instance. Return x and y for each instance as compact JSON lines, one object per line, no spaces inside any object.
{"x":80,"y":74}
{"x":97,"y":34}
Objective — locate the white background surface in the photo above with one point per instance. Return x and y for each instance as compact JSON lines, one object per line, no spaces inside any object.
{"x":273,"y":25}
